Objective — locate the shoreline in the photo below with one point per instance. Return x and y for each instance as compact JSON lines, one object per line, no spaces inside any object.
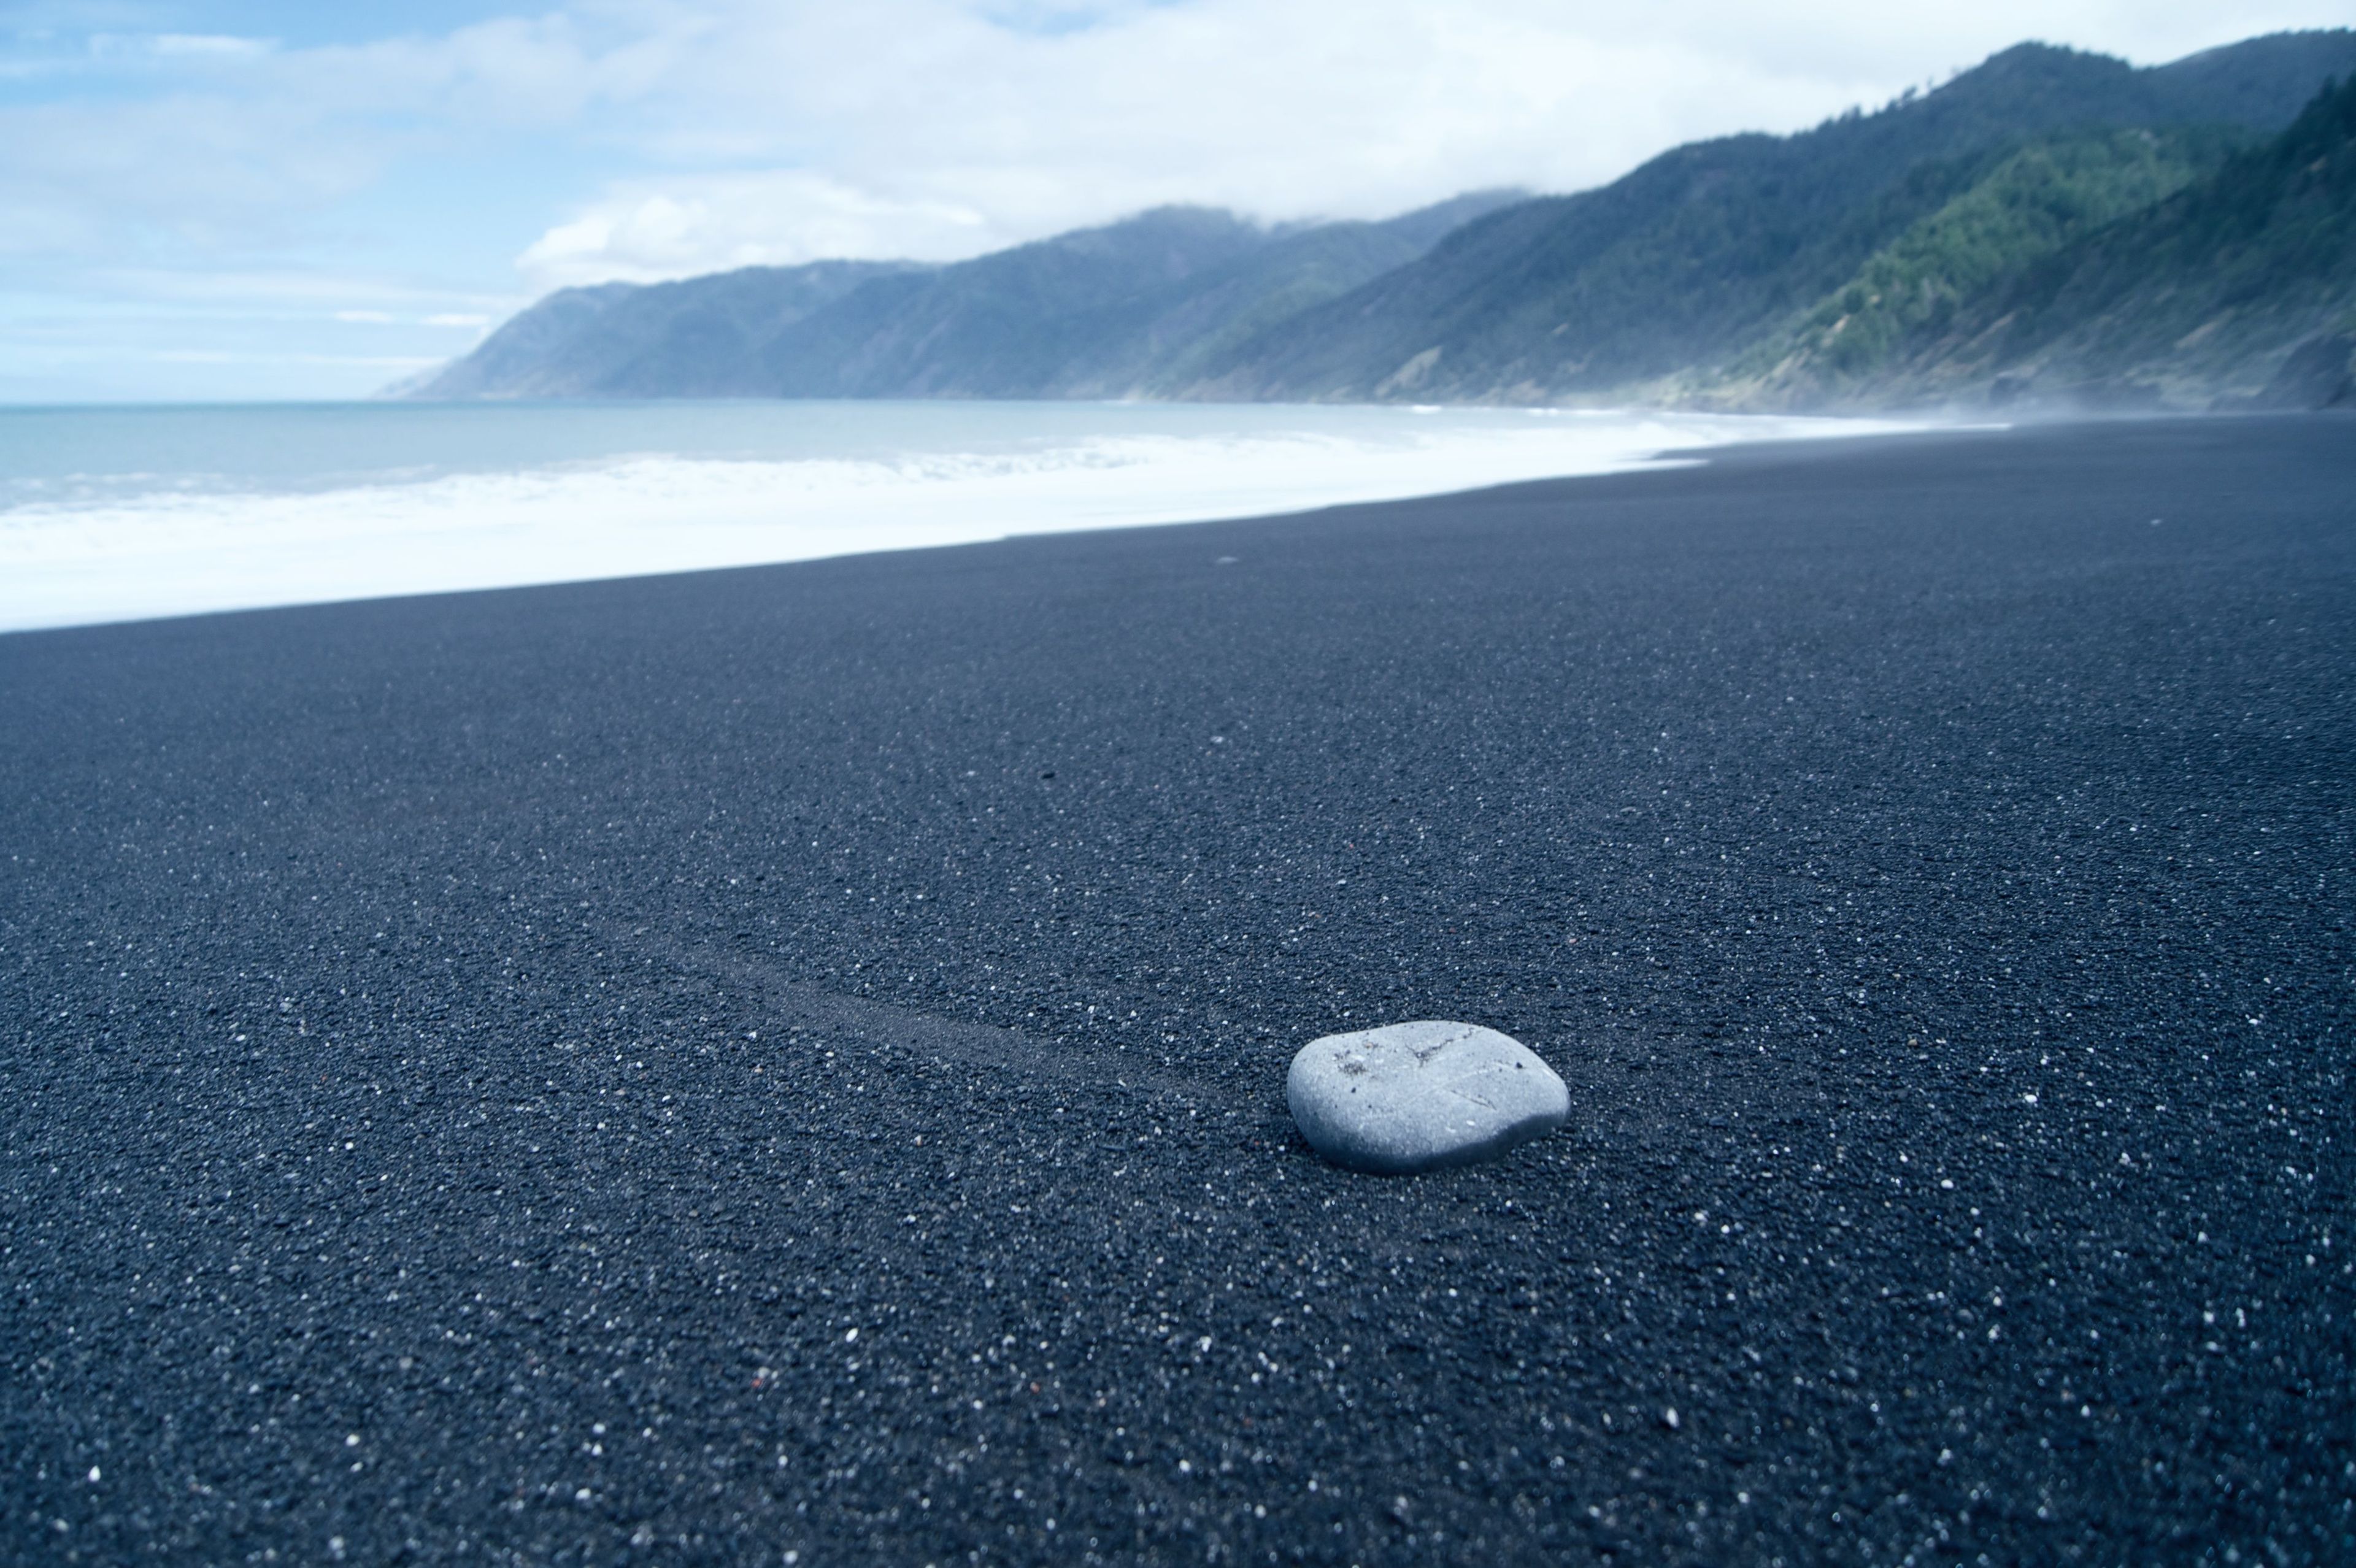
{"x":589,"y":494}
{"x":791,"y":1058}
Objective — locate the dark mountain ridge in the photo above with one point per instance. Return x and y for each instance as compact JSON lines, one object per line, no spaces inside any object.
{"x":697,"y":337}
{"x":2187,"y":295}
{"x":1889,"y":257}
{"x":2201,"y":292}
{"x":1705,"y":246}
{"x":1124,"y":309}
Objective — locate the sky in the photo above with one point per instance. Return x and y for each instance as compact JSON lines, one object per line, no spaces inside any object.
{"x":230,"y":199}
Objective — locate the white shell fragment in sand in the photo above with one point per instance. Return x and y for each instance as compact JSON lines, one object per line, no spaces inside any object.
{"x":1421,"y":1096}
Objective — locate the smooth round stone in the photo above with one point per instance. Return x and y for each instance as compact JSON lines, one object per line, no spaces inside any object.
{"x":1421,"y":1096}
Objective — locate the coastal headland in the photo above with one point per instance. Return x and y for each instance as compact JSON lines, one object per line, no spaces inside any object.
{"x":786,"y":1065}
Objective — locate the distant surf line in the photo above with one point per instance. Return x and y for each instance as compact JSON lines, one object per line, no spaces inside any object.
{"x":131,"y":535}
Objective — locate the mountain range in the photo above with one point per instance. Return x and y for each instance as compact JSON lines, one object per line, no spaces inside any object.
{"x":2051,"y":225}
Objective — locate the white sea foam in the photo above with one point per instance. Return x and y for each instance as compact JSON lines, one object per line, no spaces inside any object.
{"x":174,"y":545}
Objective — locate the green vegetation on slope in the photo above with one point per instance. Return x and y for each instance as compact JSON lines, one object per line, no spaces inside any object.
{"x":2029,"y":206}
{"x":2207,"y":294}
{"x":2051,"y":221}
{"x":1707,"y":248}
{"x":2209,"y":290}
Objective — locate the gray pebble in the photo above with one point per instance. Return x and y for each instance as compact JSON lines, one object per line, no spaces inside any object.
{"x":1421,"y":1096}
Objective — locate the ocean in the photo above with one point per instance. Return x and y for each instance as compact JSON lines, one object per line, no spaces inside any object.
{"x":123,"y":513}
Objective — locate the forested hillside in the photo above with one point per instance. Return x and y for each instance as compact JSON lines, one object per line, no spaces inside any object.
{"x":1688,"y":265}
{"x":1131,"y":307}
{"x":2051,"y":224}
{"x":1912,"y":291}
{"x":2204,"y":294}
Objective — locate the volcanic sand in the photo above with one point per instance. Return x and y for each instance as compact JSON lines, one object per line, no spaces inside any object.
{"x":790,"y":1061}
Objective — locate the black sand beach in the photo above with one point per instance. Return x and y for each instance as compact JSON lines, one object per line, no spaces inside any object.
{"x":785,"y":1065}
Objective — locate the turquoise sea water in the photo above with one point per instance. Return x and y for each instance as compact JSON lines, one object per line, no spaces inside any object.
{"x":118,"y":513}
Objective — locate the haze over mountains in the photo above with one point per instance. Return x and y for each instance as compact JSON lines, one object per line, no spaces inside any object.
{"x":1143,"y":306}
{"x":2052,"y":226}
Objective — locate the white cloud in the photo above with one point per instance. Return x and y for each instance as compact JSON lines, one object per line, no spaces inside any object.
{"x":204,"y":46}
{"x":710,"y":222}
{"x":645,"y":139}
{"x":934,"y":128}
{"x":301,"y":293}
{"x":237,"y":357}
{"x":927,"y":128}
{"x":750,"y":130}
{"x":220,"y":142}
